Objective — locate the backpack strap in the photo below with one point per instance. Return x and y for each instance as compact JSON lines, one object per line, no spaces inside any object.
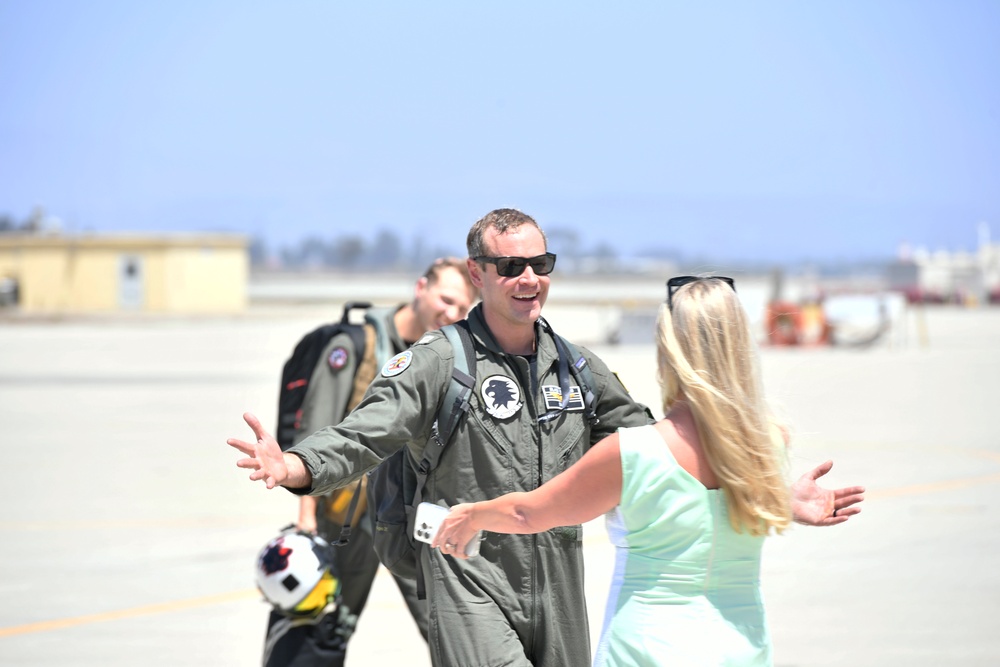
{"x":450,"y":412}
{"x":363,"y":340}
{"x":367,"y":365}
{"x":581,"y":370}
{"x":455,"y":403}
{"x":363,"y":343}
{"x":355,"y":330}
{"x":383,"y":345}
{"x":345,"y":530}
{"x":463,"y":375}
{"x":572,"y":361}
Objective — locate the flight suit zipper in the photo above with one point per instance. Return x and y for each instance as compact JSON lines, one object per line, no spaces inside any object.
{"x":524,"y":378}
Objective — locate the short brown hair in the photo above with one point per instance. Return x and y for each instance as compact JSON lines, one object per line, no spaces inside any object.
{"x":441,"y":263}
{"x":503,"y":220}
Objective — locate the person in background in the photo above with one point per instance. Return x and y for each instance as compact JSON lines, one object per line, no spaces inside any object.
{"x":442,"y":295}
{"x":689,"y":499}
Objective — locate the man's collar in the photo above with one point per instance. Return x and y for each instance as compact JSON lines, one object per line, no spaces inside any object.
{"x":546,"y":348}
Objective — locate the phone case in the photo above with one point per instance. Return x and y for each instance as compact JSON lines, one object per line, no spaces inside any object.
{"x":429,"y":517}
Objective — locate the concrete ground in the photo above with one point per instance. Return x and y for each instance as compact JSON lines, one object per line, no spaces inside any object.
{"x":129,"y":536}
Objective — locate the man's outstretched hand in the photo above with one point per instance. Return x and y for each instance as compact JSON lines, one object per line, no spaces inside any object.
{"x":813,"y":505}
{"x":264,"y":457}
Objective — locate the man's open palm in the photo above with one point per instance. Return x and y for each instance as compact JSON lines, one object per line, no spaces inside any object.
{"x":265,"y":457}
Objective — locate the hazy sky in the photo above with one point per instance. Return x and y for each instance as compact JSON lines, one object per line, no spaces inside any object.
{"x":757,"y":130}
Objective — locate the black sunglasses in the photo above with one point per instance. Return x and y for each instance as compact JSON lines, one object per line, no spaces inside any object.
{"x":678,"y":282}
{"x":508,"y":267}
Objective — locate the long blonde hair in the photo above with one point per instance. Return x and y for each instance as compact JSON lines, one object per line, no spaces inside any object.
{"x":706,"y":355}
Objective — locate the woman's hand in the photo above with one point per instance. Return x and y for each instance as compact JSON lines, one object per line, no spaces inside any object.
{"x":812,"y":505}
{"x":457,"y":530}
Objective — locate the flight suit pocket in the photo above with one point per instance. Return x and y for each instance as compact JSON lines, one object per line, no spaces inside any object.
{"x":568,"y":533}
{"x":570,"y":435}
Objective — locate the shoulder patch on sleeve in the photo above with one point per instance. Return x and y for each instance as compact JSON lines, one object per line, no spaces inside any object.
{"x":397,"y":364}
{"x":338,"y":358}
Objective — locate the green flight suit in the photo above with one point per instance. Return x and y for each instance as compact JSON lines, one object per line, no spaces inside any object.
{"x":521,"y":602}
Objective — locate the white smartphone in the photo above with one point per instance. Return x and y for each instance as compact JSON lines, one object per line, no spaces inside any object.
{"x":429,"y":517}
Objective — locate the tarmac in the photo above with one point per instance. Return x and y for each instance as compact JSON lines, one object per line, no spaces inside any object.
{"x":129,"y":536}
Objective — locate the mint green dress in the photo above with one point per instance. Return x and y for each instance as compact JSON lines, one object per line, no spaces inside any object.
{"x":686,"y":586}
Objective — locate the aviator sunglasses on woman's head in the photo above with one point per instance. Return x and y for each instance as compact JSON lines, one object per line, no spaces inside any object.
{"x":678,"y":282}
{"x":509,"y":267}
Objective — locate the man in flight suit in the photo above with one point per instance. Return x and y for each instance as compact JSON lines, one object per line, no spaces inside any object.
{"x":444,"y":294}
{"x":521,"y":602}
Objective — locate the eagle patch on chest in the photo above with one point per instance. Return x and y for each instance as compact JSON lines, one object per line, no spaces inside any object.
{"x":501,"y":396}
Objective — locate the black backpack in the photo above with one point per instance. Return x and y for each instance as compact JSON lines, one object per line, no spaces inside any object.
{"x":298,"y":369}
{"x":396,"y":486}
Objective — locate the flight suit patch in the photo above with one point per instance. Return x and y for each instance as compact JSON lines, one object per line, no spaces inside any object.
{"x":553,"y":397}
{"x":397,"y":364}
{"x":338,"y":358}
{"x":501,"y":396}
{"x":426,"y":338}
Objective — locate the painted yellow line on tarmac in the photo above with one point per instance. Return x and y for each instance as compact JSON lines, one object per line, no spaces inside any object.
{"x":179,"y":605}
{"x":982,"y":453}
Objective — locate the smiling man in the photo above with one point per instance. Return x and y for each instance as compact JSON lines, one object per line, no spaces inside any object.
{"x":521,"y":602}
{"x":508,"y":259}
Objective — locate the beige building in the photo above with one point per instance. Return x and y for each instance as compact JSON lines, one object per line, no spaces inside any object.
{"x":183,"y":274}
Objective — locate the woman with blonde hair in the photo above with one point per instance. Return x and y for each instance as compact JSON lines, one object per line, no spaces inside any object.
{"x":689,"y":499}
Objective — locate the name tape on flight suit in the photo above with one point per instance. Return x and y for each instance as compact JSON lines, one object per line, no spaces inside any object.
{"x":553,"y":397}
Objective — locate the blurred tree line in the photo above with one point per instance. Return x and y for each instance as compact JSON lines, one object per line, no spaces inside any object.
{"x":36,"y":221}
{"x":387,"y":251}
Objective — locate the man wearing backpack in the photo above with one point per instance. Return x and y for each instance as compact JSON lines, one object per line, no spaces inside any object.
{"x":521,"y":601}
{"x":350,"y":357}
